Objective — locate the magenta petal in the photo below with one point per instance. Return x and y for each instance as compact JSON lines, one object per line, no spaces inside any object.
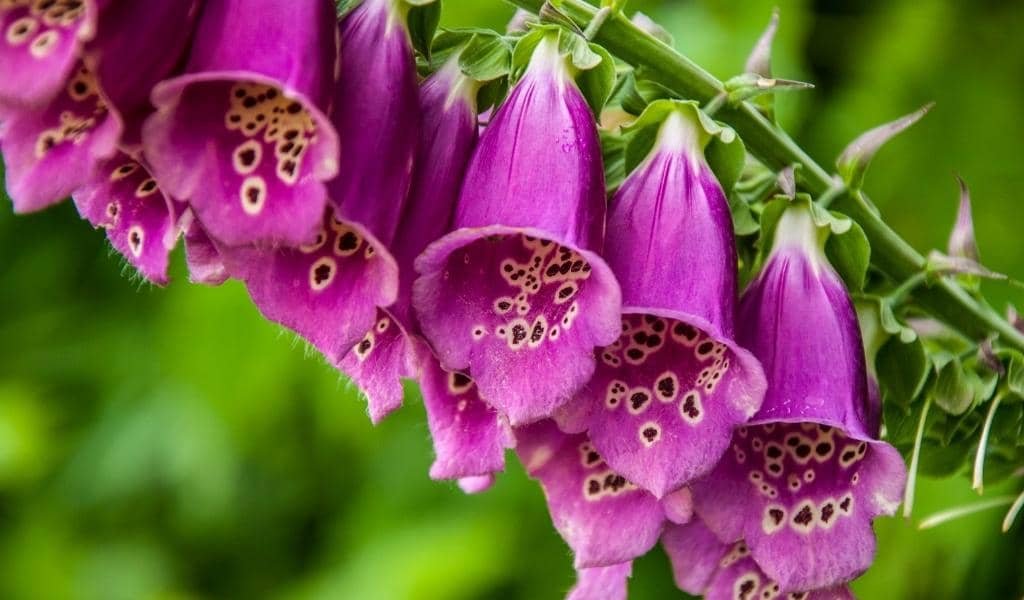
{"x":377,"y":364}
{"x":42,"y":42}
{"x":739,"y":577}
{"x":205,"y":265}
{"x":242,"y":135}
{"x":605,"y":519}
{"x":140,"y":221}
{"x":327,"y":291}
{"x":664,"y":400}
{"x":53,"y":149}
{"x":532,"y":201}
{"x":602,"y":583}
{"x":500,"y":302}
{"x":803,"y":497}
{"x":376,"y":114}
{"x":468,"y":435}
{"x":678,"y":506}
{"x":695,"y":553}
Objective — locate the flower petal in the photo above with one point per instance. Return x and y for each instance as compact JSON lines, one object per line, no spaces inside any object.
{"x":803,"y":496}
{"x":469,"y":438}
{"x":327,"y":291}
{"x":500,"y":303}
{"x":140,"y":221}
{"x":602,"y":583}
{"x":205,"y":265}
{"x":605,"y":519}
{"x":695,"y":554}
{"x":53,"y":149}
{"x":41,"y":46}
{"x":378,"y":363}
{"x":664,"y":400}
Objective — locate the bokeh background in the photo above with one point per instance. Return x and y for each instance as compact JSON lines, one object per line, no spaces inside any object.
{"x":171,"y":444}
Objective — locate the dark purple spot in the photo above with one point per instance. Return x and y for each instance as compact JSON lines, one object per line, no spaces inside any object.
{"x":704,"y":347}
{"x":321,"y":273}
{"x":776,"y":514}
{"x":593,"y":487}
{"x":364,"y":347}
{"x":823,"y":448}
{"x":804,"y":517}
{"x":685,"y":331}
{"x":461,"y":381}
{"x":249,"y":102}
{"x":845,"y":505}
{"x":565,"y":293}
{"x":650,"y":433}
{"x":538,"y":333}
{"x":775,"y":468}
{"x":848,"y":456}
{"x":518,"y":334}
{"x":635,"y":353}
{"x":638,"y":400}
{"x":690,"y":407}
{"x":803,"y":450}
{"x":653,"y":341}
{"x":773,"y":451}
{"x":347,"y":242}
{"x":593,"y":458}
{"x":247,"y":157}
{"x":294,"y":108}
{"x":640,"y":337}
{"x":827,"y":511}
{"x":667,"y":386}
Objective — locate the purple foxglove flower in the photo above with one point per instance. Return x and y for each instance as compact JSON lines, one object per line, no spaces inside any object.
{"x":242,"y":135}
{"x":703,"y":565}
{"x":605,"y":519}
{"x":519,"y":285}
{"x":78,"y":100}
{"x":141,"y":222}
{"x":375,"y":114}
{"x":667,"y":394}
{"x":803,"y":481}
{"x":602,"y":583}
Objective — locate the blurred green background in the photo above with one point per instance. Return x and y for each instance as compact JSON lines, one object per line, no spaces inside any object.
{"x":170,"y":443}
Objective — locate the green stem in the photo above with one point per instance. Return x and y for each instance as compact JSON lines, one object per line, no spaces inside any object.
{"x":890,"y":253}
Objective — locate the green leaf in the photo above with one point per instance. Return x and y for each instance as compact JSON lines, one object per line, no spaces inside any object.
{"x":613,"y":149}
{"x":952,"y":392}
{"x":597,"y":82}
{"x":581,"y":53}
{"x":743,"y":220}
{"x":486,"y":57}
{"x":902,"y":370}
{"x":1014,"y":361}
{"x":724,"y":151}
{"x":422,"y":22}
{"x":850,"y":254}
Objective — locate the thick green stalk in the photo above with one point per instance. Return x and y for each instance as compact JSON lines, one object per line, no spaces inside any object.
{"x":890,"y":253}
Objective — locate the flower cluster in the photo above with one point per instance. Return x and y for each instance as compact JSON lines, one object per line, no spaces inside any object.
{"x":367,"y":210}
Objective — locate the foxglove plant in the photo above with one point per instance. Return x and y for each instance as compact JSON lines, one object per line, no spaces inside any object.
{"x":77,"y":76}
{"x":667,"y":394}
{"x":243,"y":135}
{"x":519,"y":282}
{"x":805,"y":478}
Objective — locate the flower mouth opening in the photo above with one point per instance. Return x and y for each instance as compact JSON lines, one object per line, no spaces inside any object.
{"x":529,"y":288}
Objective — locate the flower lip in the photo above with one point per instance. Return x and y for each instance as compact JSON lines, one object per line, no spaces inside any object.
{"x":602,"y":326}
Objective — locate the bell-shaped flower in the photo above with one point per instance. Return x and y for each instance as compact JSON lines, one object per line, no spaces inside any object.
{"x":77,"y":77}
{"x":517,"y":296}
{"x":703,"y":565}
{"x":140,"y":220}
{"x":803,"y":481}
{"x":667,"y":394}
{"x":376,"y":117}
{"x":604,"y":518}
{"x":345,"y":278}
{"x":243,"y":134}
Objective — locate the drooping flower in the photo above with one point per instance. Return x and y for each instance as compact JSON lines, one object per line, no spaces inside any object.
{"x":140,"y":220}
{"x":705,"y":566}
{"x":243,"y":134}
{"x":602,"y":583}
{"x":376,"y":117}
{"x":517,"y":296}
{"x":667,"y":394}
{"x":447,"y":107}
{"x":803,"y":481}
{"x":605,"y":519}
{"x":77,"y":76}
{"x":348,"y":278}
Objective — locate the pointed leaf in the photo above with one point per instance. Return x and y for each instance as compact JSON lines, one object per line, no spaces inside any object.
{"x":855,"y":159}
